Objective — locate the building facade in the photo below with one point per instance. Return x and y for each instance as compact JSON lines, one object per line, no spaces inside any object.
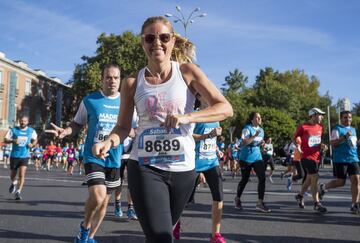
{"x":31,"y":92}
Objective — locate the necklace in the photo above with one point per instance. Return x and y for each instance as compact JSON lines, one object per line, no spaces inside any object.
{"x":157,"y":77}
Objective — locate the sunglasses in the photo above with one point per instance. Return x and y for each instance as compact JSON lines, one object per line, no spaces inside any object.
{"x":164,"y":37}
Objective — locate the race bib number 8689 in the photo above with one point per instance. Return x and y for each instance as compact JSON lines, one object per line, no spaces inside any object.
{"x":157,"y":145}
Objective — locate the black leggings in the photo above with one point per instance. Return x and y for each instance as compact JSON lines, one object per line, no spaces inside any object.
{"x":159,"y":198}
{"x":213,"y":179}
{"x":259,"y":168}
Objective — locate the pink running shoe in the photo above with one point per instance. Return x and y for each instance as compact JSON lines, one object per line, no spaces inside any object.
{"x":218,"y":238}
{"x":176,"y":231}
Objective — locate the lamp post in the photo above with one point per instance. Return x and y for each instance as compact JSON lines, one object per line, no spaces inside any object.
{"x":186,"y":21}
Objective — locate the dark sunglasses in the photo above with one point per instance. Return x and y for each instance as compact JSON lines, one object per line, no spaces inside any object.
{"x":150,"y":38}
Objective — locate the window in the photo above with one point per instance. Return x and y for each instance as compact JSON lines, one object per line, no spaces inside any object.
{"x":49,"y":94}
{"x":1,"y":81}
{"x":27,"y":87}
{"x":37,"y":118}
{"x":1,"y":107}
{"x":15,"y":115}
{"x":26,"y":110}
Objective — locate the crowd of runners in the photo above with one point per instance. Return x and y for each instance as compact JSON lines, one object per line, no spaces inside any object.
{"x":67,"y":156}
{"x":163,"y":128}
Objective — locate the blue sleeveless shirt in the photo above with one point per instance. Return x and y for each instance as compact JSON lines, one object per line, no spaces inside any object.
{"x":102,"y":113}
{"x":205,"y":150}
{"x":21,"y":150}
{"x":251,"y":153}
{"x":346,"y":152}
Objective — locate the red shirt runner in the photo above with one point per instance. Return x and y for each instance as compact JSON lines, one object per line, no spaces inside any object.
{"x":310,"y":135}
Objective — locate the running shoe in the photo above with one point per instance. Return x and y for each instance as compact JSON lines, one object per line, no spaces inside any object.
{"x":91,"y":240}
{"x":131,"y":214}
{"x":262,"y":208}
{"x":118,"y":212}
{"x":83,"y":236}
{"x":289,"y":184}
{"x":271,"y":179}
{"x":12,"y":188}
{"x":238,"y":203}
{"x":300,"y":200}
{"x":319,"y":208}
{"x":355,"y":208}
{"x":176,"y":231}
{"x":18,"y":196}
{"x":218,"y":238}
{"x":322,"y":191}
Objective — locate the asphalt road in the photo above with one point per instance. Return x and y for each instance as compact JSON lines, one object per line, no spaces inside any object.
{"x":53,"y":204}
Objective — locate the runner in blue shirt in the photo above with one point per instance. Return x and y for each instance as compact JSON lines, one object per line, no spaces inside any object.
{"x":80,"y":149}
{"x":6,"y":154}
{"x":252,"y":138}
{"x":99,"y":111}
{"x":37,"y":155}
{"x":346,"y":159}
{"x":207,"y":162}
{"x":22,"y":138}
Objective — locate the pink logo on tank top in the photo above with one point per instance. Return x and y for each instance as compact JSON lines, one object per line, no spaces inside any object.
{"x":158,"y":107}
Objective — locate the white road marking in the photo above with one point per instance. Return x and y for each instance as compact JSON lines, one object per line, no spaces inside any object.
{"x":330,"y":196}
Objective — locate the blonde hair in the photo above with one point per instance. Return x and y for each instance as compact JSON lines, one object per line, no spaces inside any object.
{"x":184,"y":50}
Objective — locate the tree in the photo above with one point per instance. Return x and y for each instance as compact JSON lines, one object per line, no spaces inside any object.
{"x":124,"y":50}
{"x":278,"y":125}
{"x":291,"y":91}
{"x":240,"y":108}
{"x":356,"y":109}
{"x":235,"y":82}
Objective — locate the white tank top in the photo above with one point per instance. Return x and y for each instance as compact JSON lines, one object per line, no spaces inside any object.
{"x":154,"y":145}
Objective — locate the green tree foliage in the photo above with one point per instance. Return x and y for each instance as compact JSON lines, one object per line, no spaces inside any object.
{"x":277,"y":124}
{"x":291,"y":91}
{"x":268,"y":91}
{"x":356,"y":109}
{"x":356,"y":124}
{"x":235,"y":82}
{"x":240,"y":109}
{"x":124,"y":50}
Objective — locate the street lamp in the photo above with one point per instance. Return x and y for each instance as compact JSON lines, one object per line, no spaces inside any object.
{"x":185,"y":21}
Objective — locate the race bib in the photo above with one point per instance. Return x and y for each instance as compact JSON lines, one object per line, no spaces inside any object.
{"x":102,"y":133}
{"x":314,"y":141}
{"x":71,"y":155}
{"x":352,"y":141}
{"x":207,"y":147}
{"x":22,"y":140}
{"x":158,"y":146}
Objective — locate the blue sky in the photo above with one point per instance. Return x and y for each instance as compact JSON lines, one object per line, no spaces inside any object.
{"x":321,"y":37}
